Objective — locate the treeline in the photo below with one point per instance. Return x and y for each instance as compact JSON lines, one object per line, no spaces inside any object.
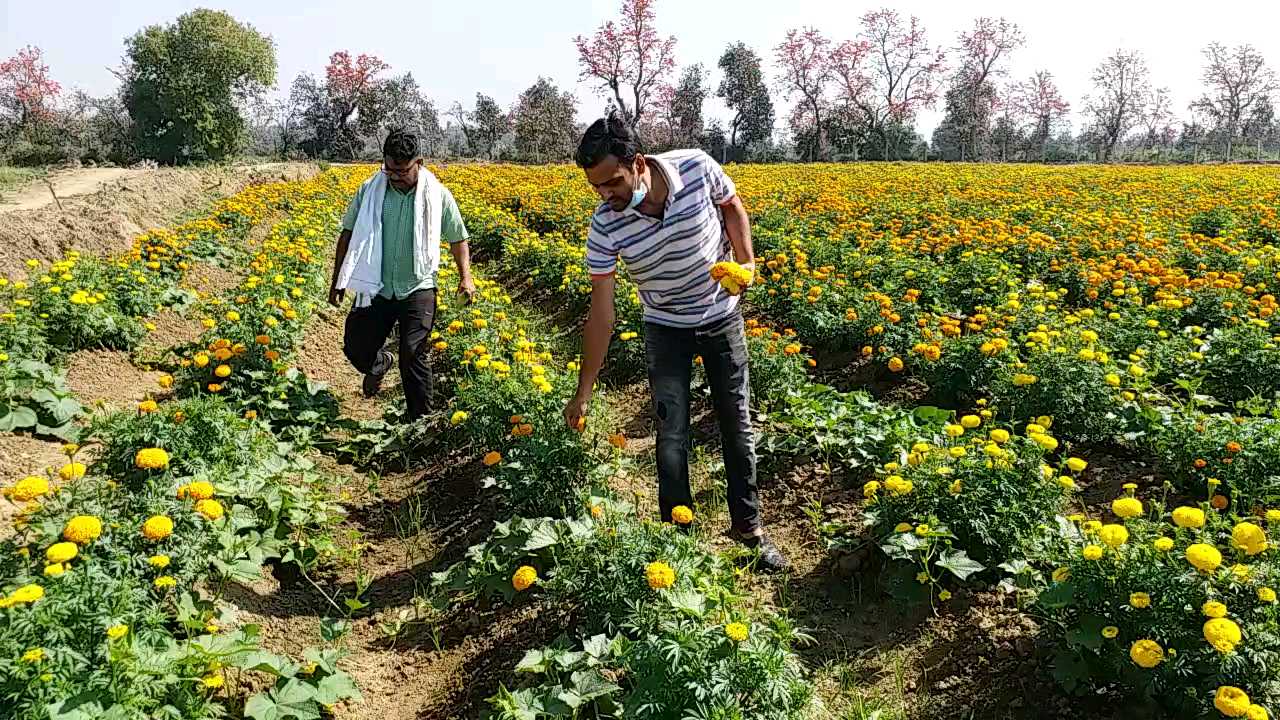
{"x":201,"y":89}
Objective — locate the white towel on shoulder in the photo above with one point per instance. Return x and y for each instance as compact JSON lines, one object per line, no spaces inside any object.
{"x":361,"y":271}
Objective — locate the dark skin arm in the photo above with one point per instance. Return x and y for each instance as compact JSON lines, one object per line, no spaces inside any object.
{"x":738,"y":226}
{"x":595,"y":344}
{"x":339,"y":255}
{"x":461,"y":252}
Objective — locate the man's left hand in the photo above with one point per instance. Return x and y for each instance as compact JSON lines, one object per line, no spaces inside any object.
{"x":467,"y":288}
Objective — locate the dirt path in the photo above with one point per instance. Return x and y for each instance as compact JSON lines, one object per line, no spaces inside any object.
{"x":66,"y":184}
{"x":101,"y":210}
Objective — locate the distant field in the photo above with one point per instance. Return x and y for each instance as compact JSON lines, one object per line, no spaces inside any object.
{"x":12,"y":177}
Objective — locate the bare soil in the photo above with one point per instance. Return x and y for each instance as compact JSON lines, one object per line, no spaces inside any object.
{"x":116,"y":205}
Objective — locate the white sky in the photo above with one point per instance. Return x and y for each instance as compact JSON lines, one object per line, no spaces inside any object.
{"x":455,"y":48}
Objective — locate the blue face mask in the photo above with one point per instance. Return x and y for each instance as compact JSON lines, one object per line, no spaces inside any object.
{"x":637,"y":196}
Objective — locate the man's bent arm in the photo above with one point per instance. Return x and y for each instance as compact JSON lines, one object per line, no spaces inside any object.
{"x":738,"y":226}
{"x":339,"y":256}
{"x":597,"y":333}
{"x":461,"y":252}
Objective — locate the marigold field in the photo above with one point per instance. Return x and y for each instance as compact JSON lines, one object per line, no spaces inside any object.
{"x":1019,"y":429}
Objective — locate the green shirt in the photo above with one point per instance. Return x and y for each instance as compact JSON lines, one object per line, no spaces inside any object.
{"x":398,"y":275}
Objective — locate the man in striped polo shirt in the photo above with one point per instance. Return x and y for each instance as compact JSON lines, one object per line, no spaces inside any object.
{"x":669,"y":218}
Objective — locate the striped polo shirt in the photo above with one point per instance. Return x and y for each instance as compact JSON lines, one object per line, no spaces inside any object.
{"x":670,"y":259}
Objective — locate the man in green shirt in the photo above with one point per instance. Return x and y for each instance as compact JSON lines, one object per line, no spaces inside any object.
{"x":406,"y":285}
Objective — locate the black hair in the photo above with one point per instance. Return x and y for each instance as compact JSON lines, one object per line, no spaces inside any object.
{"x":607,"y":136}
{"x":401,"y":146}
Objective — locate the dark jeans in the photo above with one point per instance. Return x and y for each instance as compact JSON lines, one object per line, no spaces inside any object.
{"x":366,"y":332}
{"x":723,"y":347}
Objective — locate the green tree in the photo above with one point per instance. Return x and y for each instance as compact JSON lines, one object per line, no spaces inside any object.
{"x":185,"y":84}
{"x":744,"y":91}
{"x":544,"y":124}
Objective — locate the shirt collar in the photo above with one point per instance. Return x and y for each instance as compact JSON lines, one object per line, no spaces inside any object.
{"x":670,"y":174}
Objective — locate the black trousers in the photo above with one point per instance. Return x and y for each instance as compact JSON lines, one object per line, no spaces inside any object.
{"x":723,"y":347}
{"x":367,"y":329}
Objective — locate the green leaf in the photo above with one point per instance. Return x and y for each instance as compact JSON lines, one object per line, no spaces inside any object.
{"x":1088,"y":633}
{"x":688,"y":601}
{"x":335,"y":688}
{"x":534,"y":661}
{"x":23,"y":417}
{"x":333,"y":629}
{"x":959,"y":563}
{"x":1057,"y":595}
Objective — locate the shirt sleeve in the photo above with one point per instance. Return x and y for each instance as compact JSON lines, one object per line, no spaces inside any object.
{"x":452,"y":228}
{"x":602,"y":254}
{"x":721,"y":186}
{"x":353,"y":211}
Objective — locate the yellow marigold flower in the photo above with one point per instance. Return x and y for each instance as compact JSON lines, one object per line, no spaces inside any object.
{"x":1231,"y":701}
{"x":1249,"y":537}
{"x":61,"y":552}
{"x":1256,"y":712}
{"x":1139,"y":600}
{"x":1214,"y":609}
{"x":165,"y":381}
{"x":71,"y":471}
{"x":211,"y":509}
{"x":1266,"y":595}
{"x":895,"y":364}
{"x":164,"y":581}
{"x":1188,"y":517}
{"x":222,"y":371}
{"x":1111,"y":631}
{"x":151,"y":459}
{"x":157,"y":527}
{"x":1045,"y":441}
{"x":1000,"y":436}
{"x":660,"y":575}
{"x":198,"y":490}
{"x":1113,"y":535}
{"x":681,"y":515}
{"x":1273,"y":516}
{"x":737,"y":632}
{"x":1146,"y":653}
{"x":115,"y":632}
{"x":34,"y":655}
{"x":491,"y":458}
{"x":201,"y":359}
{"x":233,"y":316}
{"x":1126,"y":507}
{"x":54,"y":569}
{"x":1076,"y":464}
{"x":970,"y":422}
{"x":870,"y":488}
{"x":524,"y":577}
{"x":159,"y":562}
{"x":82,"y":529}
{"x":1163,"y":544}
{"x":1066,"y":482}
{"x":26,"y":594}
{"x":1222,"y":633}
{"x":459,"y":417}
{"x":212,"y":681}
{"x":28,"y":488}
{"x":1092,"y":552}
{"x":148,"y":406}
{"x":1205,"y":558}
